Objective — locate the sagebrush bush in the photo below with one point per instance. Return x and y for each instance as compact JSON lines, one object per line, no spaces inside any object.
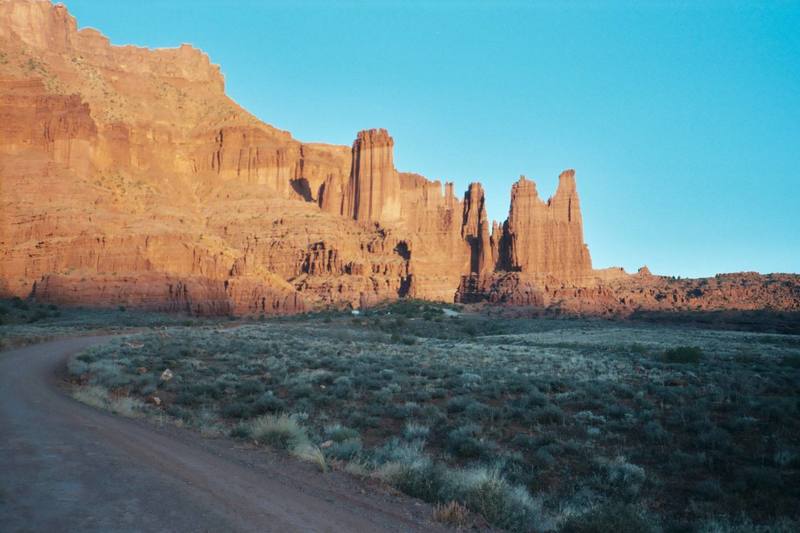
{"x":94,"y":395}
{"x":486,"y":491}
{"x":340,"y":433}
{"x":408,"y":469}
{"x":467,"y":442}
{"x":345,"y":450}
{"x":414,"y":431}
{"x":613,"y":518}
{"x":624,"y":477}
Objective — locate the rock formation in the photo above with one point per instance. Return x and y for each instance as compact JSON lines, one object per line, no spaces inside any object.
{"x":547,"y":237}
{"x":374,"y":188}
{"x":128,"y":177}
{"x":475,"y":230}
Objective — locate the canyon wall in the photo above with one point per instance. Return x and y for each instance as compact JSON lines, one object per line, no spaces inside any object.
{"x":129,"y":177}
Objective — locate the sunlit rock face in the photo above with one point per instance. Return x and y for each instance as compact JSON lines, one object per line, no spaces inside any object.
{"x":547,"y":237}
{"x":129,"y":177}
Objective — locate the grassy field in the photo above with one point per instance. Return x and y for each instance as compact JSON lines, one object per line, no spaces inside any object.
{"x":535,"y":424}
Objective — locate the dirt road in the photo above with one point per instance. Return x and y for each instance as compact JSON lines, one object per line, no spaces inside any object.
{"x":65,"y":466}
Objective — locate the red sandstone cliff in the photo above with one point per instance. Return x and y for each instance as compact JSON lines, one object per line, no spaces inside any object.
{"x":127,"y":176}
{"x":547,"y":237}
{"x":475,"y":230}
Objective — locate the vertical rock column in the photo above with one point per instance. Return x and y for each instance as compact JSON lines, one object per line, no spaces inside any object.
{"x":373,"y":193}
{"x":547,"y":238}
{"x":475,"y":230}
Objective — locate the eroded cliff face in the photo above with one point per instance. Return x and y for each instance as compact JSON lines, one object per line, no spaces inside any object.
{"x":546,"y":238}
{"x":475,"y":230}
{"x":128,"y":177}
{"x":621,"y":295}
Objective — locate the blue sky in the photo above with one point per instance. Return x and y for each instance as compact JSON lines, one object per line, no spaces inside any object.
{"x":682,"y":119}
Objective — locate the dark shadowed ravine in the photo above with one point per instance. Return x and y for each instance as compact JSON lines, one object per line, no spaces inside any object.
{"x":65,"y":466}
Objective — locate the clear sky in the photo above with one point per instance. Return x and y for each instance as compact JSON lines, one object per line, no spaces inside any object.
{"x":681,"y":119}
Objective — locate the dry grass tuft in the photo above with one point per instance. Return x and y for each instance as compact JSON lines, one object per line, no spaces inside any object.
{"x":451,"y":513}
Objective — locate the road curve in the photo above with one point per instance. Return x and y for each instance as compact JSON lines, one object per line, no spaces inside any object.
{"x":65,"y":466}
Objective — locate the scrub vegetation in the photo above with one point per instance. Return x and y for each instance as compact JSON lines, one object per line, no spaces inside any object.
{"x":25,"y":322}
{"x":535,"y":424}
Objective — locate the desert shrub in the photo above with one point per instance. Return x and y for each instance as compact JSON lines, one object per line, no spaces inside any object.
{"x":187,"y":398}
{"x":127,"y":406}
{"x":407,"y":340}
{"x":722,"y":423}
{"x":305,"y":451}
{"x":618,"y":411}
{"x":268,"y":403}
{"x":236,"y":410}
{"x":250,"y":387}
{"x":76,"y":367}
{"x":466,"y":443}
{"x":470,"y":329}
{"x":145,"y":385}
{"x":654,"y":432}
{"x":411,"y":471}
{"x":477,"y":410}
{"x":458,"y":404}
{"x":549,"y":414}
{"x":281,"y":431}
{"x":94,"y":395}
{"x":340,"y":433}
{"x":343,"y":387}
{"x":487,"y":492}
{"x":451,"y":513}
{"x":791,"y":361}
{"x":683,"y":355}
{"x":715,"y":438}
{"x":180,"y":412}
{"x":543,"y":458}
{"x":241,"y":431}
{"x":363,"y":420}
{"x":414,"y":431}
{"x":742,"y":524}
{"x":637,"y":348}
{"x":786,"y":457}
{"x":614,"y":517}
{"x":624,"y":477}
{"x":345,"y":449}
{"x":708,"y":489}
{"x":108,"y":374}
{"x":39,"y":314}
{"x":98,"y":396}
